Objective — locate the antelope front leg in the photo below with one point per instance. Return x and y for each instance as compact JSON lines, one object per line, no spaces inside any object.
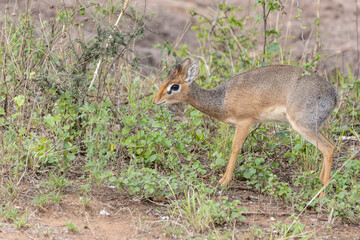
{"x":241,"y":132}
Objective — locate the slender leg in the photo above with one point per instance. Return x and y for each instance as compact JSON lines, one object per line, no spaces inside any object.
{"x":321,"y":177}
{"x":241,"y":132}
{"x":325,"y":146}
{"x":328,"y":160}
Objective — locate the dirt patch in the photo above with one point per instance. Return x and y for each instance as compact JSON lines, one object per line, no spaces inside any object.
{"x":264,"y":212}
{"x":116,"y":215}
{"x":110,"y":215}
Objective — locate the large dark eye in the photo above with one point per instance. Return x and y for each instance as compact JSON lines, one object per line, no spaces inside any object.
{"x":175,"y":87}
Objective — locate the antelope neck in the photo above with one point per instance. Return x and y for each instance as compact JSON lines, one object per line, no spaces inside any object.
{"x":210,"y":102}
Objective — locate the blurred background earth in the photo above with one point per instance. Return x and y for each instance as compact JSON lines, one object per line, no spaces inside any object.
{"x":165,"y":21}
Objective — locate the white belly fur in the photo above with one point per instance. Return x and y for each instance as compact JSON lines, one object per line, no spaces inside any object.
{"x":270,"y":114}
{"x":230,"y":121}
{"x":273,"y":114}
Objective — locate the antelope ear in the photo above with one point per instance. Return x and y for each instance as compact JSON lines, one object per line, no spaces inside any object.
{"x":185,"y":64}
{"x":192,"y":73}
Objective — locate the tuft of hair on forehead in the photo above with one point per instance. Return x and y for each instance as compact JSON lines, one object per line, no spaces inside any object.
{"x":174,"y":71}
{"x":179,"y":69}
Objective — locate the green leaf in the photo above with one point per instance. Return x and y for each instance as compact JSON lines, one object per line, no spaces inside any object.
{"x":249,"y":172}
{"x":112,"y":179}
{"x":50,"y":120}
{"x":273,"y":47}
{"x":152,"y":158}
{"x":22,"y":131}
{"x":19,"y":100}
{"x":197,"y":121}
{"x":297,"y":147}
{"x":268,"y":33}
{"x":260,"y":18}
{"x":258,"y":161}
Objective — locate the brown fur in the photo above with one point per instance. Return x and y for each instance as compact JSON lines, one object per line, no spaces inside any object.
{"x":277,"y":93}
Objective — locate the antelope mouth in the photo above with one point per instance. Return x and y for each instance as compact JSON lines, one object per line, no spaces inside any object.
{"x":160,"y":104}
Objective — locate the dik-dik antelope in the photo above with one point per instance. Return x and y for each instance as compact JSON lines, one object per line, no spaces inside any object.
{"x":276,"y":93}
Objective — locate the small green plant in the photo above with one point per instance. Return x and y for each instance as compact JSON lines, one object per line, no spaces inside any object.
{"x":71,"y":226}
{"x":294,"y":230}
{"x":44,"y":199}
{"x":85,"y":200}
{"x":8,"y":212}
{"x":57,"y":183}
{"x":12,"y":215}
{"x":202,"y":213}
{"x":173,"y":230}
{"x":148,"y":182}
{"x":256,"y":232}
{"x":20,"y":222}
{"x":41,"y":200}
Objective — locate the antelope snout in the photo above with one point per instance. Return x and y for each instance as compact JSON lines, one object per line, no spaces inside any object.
{"x":156,"y":100}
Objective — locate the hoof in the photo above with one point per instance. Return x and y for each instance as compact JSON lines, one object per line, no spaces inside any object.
{"x":224,"y":181}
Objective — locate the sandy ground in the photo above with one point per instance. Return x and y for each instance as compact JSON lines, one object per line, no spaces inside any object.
{"x":130,"y":218}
